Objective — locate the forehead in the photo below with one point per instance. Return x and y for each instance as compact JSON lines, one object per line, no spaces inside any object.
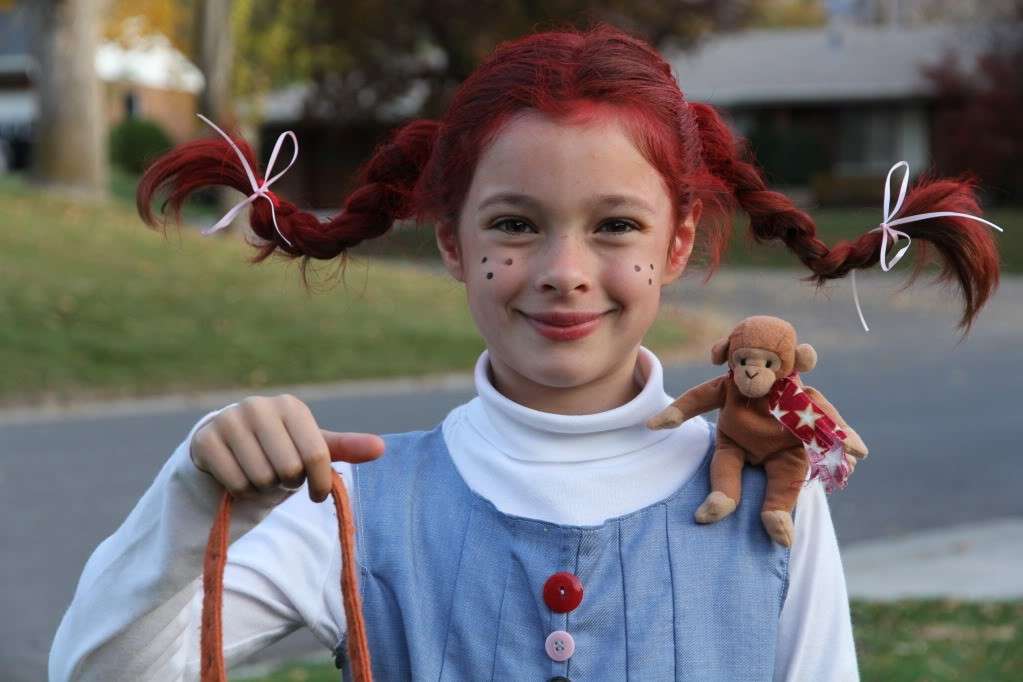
{"x":558,"y":160}
{"x":756,"y":352}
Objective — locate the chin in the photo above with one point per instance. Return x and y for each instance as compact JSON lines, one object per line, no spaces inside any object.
{"x":564,"y":372}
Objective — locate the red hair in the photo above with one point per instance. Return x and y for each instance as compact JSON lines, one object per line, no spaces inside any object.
{"x":423,"y":171}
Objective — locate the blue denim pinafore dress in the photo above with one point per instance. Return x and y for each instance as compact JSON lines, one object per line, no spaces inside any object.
{"x":454,"y":589}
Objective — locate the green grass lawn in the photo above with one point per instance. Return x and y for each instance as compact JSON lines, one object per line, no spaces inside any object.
{"x":915,"y":641}
{"x":94,"y":304}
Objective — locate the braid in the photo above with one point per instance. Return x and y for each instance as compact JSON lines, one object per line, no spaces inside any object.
{"x":383,"y":195}
{"x":968,"y":250}
{"x":385,"y":187}
{"x":773,"y":216}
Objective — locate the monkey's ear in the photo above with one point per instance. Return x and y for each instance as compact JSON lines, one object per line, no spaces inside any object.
{"x":806,"y":357}
{"x":719,"y":352}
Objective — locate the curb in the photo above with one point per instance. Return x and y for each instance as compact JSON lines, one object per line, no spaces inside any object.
{"x":210,"y":400}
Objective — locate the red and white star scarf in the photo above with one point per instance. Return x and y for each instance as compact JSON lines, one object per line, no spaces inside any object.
{"x":821,"y":437}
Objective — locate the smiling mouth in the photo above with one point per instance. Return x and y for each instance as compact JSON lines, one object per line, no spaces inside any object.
{"x":566,"y":332}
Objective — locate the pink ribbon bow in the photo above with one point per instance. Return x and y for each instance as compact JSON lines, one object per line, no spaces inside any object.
{"x":258,"y":190}
{"x":895,"y":235}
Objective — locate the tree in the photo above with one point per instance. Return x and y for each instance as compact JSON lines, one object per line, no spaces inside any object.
{"x":978,"y":122}
{"x":214,"y":53}
{"x":360,"y":54}
{"x":173,"y":19}
{"x":71,"y":131}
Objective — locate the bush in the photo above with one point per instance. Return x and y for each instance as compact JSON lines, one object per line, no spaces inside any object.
{"x":135,"y":142}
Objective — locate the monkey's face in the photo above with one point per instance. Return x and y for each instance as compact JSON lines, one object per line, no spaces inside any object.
{"x":754,"y":370}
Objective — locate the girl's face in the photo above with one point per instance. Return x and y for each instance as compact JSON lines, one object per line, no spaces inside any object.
{"x":565,"y":220}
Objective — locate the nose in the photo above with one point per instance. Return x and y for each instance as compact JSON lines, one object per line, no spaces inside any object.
{"x":750,"y":376}
{"x":563,"y":266}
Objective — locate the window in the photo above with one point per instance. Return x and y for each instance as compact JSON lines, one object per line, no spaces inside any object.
{"x":867,"y":140}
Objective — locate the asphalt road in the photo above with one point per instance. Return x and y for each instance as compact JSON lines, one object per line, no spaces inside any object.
{"x":942,"y":421}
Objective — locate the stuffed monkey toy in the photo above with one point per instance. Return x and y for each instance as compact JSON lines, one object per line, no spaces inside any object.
{"x":768,"y":418}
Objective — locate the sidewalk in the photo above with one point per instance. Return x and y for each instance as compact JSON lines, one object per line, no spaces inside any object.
{"x":982,"y":561}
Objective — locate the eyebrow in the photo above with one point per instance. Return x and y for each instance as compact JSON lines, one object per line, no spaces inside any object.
{"x":602,"y":200}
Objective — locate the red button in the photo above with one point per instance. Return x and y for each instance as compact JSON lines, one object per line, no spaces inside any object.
{"x":562,"y":592}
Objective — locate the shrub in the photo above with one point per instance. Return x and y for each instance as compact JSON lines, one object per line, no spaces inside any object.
{"x":135,"y":142}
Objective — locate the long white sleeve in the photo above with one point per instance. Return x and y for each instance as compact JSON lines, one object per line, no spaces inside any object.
{"x":136,"y":610}
{"x":815,"y":639}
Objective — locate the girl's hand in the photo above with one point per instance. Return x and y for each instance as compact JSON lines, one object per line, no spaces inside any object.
{"x":261,"y":445}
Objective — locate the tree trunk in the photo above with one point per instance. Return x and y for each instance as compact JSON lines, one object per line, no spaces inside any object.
{"x":214,"y":50}
{"x":70,"y":147}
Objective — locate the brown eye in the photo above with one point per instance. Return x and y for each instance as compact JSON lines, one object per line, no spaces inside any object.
{"x":628,"y":227}
{"x":511,"y":226}
{"x":768,"y":363}
{"x":742,"y":361}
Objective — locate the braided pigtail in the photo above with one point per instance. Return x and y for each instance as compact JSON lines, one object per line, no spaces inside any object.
{"x":969,"y":254}
{"x":383,"y":194}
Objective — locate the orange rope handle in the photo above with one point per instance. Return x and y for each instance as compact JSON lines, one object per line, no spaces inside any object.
{"x":358,"y":646}
{"x":212,"y":634}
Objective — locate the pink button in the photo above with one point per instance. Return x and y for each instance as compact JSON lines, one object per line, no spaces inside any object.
{"x":559,"y":645}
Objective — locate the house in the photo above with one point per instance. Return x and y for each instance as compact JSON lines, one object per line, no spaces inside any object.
{"x":832,"y":107}
{"x":143,"y":75}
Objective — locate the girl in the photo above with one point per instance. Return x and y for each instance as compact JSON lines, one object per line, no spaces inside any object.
{"x":541,"y":531}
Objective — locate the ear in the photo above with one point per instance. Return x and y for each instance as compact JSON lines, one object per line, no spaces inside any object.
{"x":806,"y":357}
{"x":446,"y":232}
{"x":681,"y":246}
{"x":719,"y":352}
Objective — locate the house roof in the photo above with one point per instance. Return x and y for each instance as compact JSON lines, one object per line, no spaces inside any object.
{"x":16,"y":31}
{"x":151,"y":61}
{"x":830,"y":64}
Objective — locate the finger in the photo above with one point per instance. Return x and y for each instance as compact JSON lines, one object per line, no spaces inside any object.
{"x":312,"y":450}
{"x":281,"y":451}
{"x":247,"y":450}
{"x":221,"y":463}
{"x":353,"y":447}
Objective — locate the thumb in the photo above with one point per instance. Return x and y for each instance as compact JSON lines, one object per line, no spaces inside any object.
{"x":353,"y":447}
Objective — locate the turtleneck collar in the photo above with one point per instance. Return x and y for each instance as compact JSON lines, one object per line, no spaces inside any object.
{"x":531,"y":435}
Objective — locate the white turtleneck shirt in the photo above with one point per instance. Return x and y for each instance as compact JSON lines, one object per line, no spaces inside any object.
{"x":136,"y":610}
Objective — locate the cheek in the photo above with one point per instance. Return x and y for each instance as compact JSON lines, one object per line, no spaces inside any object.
{"x":636,"y":277}
{"x":494,"y":277}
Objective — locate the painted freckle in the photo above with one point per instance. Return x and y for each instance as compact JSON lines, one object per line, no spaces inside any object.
{"x":508,"y":261}
{"x":484,"y":259}
{"x":650,"y":281}
{"x":637,"y":268}
{"x":490,"y":275}
{"x":651,"y":266}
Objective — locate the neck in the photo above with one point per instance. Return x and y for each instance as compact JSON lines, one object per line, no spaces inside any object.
{"x":603,"y":393}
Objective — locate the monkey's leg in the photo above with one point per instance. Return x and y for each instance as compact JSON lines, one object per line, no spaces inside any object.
{"x":725,"y":481}
{"x":786,"y":472}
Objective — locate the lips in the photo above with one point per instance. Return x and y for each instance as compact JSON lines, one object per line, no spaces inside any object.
{"x":564,"y":326}
{"x":564,"y":319}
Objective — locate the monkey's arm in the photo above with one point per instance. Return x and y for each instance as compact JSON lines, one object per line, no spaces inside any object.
{"x":707,"y":396}
{"x":854,"y":445}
